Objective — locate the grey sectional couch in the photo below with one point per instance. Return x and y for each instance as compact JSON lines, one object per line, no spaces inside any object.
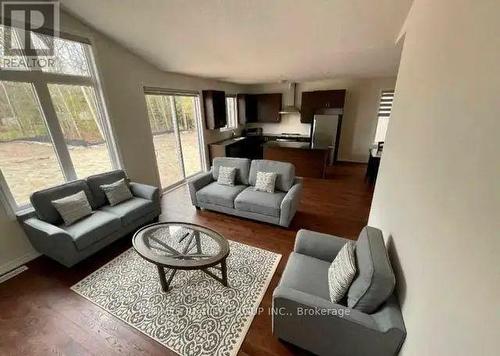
{"x":368,"y":322}
{"x":242,"y":200}
{"x":71,"y":244}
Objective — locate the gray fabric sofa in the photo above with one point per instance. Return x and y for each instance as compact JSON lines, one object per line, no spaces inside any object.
{"x":241,"y":199}
{"x":69,"y":245}
{"x":368,"y":322}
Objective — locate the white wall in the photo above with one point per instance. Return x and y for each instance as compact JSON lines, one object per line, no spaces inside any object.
{"x":437,"y":197}
{"x":360,"y":112}
{"x":123,"y":76}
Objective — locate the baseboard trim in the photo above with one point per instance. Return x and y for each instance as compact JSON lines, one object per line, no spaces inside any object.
{"x":9,"y":266}
{"x":6,"y":276}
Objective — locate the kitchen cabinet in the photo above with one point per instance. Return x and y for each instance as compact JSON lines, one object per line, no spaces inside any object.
{"x":247,"y":108}
{"x":308,"y":162}
{"x":234,"y":147}
{"x":268,"y":107}
{"x":252,"y":147}
{"x":214,"y":104}
{"x":259,"y":107}
{"x":315,"y":102}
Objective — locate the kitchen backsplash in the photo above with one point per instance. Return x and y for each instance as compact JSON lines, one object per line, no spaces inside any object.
{"x":289,"y":124}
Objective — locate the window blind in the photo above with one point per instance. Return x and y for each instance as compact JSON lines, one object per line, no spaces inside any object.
{"x":385,"y":106}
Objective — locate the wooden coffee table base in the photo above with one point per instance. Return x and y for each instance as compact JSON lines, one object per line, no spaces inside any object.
{"x":165,"y":283}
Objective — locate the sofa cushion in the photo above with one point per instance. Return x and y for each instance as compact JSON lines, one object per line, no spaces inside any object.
{"x":93,"y":228}
{"x":265,"y":182}
{"x":306,"y":274}
{"x":130,"y":210}
{"x":218,"y":194}
{"x":375,"y":280}
{"x":259,"y":202}
{"x":342,"y":272}
{"x":242,"y":166}
{"x":73,"y":207}
{"x":227,"y":175}
{"x":117,"y":192}
{"x":42,"y":200}
{"x":97,"y":180}
{"x":284,"y":170}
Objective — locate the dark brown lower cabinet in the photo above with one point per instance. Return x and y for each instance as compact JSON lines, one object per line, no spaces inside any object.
{"x":308,"y":162}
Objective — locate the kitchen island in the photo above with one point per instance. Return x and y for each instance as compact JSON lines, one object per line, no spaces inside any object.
{"x":308,"y":162}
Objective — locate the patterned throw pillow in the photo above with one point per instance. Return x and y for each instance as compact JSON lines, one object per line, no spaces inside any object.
{"x":117,"y":192}
{"x":73,"y":207}
{"x":226,"y":175}
{"x":342,"y":272}
{"x":265,"y":182}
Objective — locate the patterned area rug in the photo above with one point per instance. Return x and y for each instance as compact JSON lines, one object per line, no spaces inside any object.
{"x":198,"y":316}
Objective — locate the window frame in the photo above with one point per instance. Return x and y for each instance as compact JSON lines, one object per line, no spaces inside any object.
{"x":231,"y":123}
{"x":40,"y":80}
{"x":199,"y":131}
{"x":381,"y":95}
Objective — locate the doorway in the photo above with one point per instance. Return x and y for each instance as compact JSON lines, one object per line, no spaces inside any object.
{"x":175,"y":124}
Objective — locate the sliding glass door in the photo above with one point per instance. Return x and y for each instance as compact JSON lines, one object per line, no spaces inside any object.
{"x":174,"y":124}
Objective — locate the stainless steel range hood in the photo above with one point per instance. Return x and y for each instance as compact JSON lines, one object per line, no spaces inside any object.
{"x":290,"y":109}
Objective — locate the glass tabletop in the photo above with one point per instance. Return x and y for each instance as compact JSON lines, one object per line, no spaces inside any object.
{"x":180,"y":245}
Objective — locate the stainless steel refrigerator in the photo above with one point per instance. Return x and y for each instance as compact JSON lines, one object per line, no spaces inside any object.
{"x":325,"y":133}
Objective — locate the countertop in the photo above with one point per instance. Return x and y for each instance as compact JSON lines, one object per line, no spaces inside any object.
{"x":286,"y":136}
{"x":233,"y":140}
{"x":229,"y":141}
{"x":288,"y":144}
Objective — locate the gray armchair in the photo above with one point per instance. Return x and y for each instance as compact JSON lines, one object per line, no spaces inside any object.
{"x":368,"y":322}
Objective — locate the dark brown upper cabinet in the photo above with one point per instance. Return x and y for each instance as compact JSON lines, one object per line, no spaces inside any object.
{"x":247,"y":108}
{"x":314,"y":102}
{"x":268,"y":107}
{"x":259,"y":107}
{"x":214,"y":104}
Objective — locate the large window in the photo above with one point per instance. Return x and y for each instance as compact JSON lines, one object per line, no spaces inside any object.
{"x":384,"y":113}
{"x":53,"y":127}
{"x":174,"y":122}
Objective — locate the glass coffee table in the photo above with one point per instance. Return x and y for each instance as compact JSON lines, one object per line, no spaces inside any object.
{"x":182,"y":246}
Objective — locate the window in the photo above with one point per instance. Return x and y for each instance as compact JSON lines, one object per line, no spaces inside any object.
{"x":174,"y":122}
{"x":29,"y":161}
{"x":53,"y":126}
{"x":384,"y":113}
{"x":231,"y":113}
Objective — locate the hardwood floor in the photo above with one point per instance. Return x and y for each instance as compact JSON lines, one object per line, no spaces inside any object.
{"x":40,"y":315}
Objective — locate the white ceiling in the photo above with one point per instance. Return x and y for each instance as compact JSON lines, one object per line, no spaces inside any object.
{"x":255,"y":41}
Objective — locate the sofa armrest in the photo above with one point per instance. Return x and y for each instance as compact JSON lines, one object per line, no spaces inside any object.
{"x":315,"y":244}
{"x":389,"y":317}
{"x":326,"y":328}
{"x":290,"y":203}
{"x":45,"y":236}
{"x":321,"y":306}
{"x":198,"y":182}
{"x":145,"y":191}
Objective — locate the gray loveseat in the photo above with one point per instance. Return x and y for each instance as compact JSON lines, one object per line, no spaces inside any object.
{"x":368,"y":322}
{"x":71,"y":244}
{"x":241,"y":199}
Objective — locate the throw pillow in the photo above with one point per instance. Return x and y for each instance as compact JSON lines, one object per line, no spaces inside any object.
{"x":226,"y":175}
{"x":265,"y":181}
{"x":117,"y":192}
{"x":341,"y":272}
{"x":73,"y":207}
